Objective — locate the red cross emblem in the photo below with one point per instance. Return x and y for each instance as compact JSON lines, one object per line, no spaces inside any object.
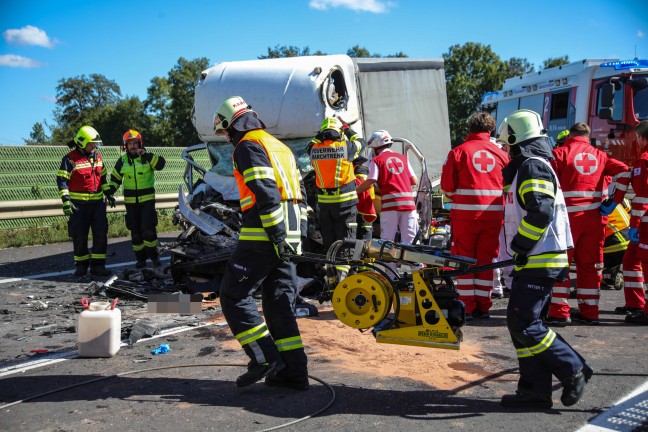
{"x":394,"y":165}
{"x":483,"y":161}
{"x":585,"y":163}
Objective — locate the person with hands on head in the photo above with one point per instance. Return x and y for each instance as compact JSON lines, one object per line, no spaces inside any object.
{"x":135,"y":169}
{"x":273,"y":200}
{"x":537,"y":231}
{"x":81,"y":182}
{"x":638,"y":232}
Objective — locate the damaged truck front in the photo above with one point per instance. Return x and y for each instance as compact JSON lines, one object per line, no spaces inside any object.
{"x":293,"y":96}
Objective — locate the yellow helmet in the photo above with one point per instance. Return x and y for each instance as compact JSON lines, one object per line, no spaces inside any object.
{"x":562,"y":137}
{"x":228,"y":111}
{"x":331,"y":123}
{"x":87,"y":134}
{"x":521,"y":125}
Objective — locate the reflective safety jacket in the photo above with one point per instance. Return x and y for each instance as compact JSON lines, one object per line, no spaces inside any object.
{"x":137,"y":175}
{"x":394,"y":181}
{"x":618,"y":221}
{"x":639,"y":180}
{"x":81,"y":178}
{"x":472,"y":178}
{"x":535,"y":221}
{"x":334,"y":177}
{"x":271,"y":190}
{"x":581,"y":170}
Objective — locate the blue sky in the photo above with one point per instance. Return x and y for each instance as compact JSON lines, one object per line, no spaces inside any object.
{"x":131,"y":42}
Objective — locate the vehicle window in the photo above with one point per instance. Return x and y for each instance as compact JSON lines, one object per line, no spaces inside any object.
{"x":559,"y":106}
{"x":641,"y":104}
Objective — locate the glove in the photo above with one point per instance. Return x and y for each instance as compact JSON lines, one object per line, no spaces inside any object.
{"x":284,"y":250}
{"x":607,"y":207}
{"x":633,"y":233}
{"x":111,"y":201}
{"x":520,"y":260}
{"x":69,"y":208}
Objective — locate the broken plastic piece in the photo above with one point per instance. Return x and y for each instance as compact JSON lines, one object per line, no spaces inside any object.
{"x":162,"y":349}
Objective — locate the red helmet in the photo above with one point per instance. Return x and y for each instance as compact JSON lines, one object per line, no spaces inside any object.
{"x":133,"y":134}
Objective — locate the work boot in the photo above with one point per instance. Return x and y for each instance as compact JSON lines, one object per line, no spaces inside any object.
{"x":520,"y":400}
{"x":557,"y":322}
{"x":257,"y":372}
{"x":578,"y":317}
{"x":573,"y":389}
{"x":280,"y":379}
{"x":100,"y":270}
{"x":140,"y":264}
{"x":637,"y":318}
{"x":587,"y":372}
{"x":156,"y":262}
{"x":626,"y":310}
{"x":81,"y":270}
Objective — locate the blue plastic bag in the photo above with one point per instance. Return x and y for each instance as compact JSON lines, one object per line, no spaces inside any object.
{"x":162,"y":349}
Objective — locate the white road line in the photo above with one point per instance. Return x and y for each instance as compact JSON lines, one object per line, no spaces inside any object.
{"x":625,"y":415}
{"x":67,"y":272}
{"x":53,"y":358}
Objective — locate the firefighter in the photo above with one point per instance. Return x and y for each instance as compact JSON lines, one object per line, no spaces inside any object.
{"x":81,"y":182}
{"x":331,"y":155}
{"x":136,"y":169}
{"x":615,"y":246}
{"x":582,"y":170}
{"x":366,"y":210}
{"x":536,"y":226}
{"x":638,"y":232}
{"x":393,"y":175}
{"x":472,"y":178}
{"x":272,"y":198}
{"x":561,"y":138}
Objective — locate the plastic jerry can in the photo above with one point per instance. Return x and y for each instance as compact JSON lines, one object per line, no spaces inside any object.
{"x":99,"y":330}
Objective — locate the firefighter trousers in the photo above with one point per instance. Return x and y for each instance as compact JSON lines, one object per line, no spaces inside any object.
{"x":338,"y":223}
{"x":90,"y":215}
{"x":141,"y":220}
{"x":365,"y":227}
{"x":254,"y":265}
{"x":541,"y":352}
{"x":588,"y":232}
{"x":479,"y":240}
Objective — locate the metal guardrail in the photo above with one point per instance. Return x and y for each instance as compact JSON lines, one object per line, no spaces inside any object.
{"x":52,"y":207}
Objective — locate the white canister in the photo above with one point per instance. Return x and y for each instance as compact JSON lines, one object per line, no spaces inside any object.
{"x":99,"y":332}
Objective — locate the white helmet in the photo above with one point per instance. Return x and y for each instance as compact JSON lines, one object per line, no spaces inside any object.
{"x":379,"y":138}
{"x":228,"y":111}
{"x":521,"y":125}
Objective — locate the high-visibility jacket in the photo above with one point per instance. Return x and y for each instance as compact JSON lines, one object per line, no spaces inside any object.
{"x":529,"y":228}
{"x":365,"y":204}
{"x":618,"y":221}
{"x":81,"y":177}
{"x":472,"y":178}
{"x":394,"y":181}
{"x":270,"y":188}
{"x":334,"y":175}
{"x":137,"y":175}
{"x":582,"y":171}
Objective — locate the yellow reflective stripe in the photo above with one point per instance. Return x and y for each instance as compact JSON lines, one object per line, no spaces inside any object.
{"x":138,"y":247}
{"x":63,"y":192}
{"x":154,"y":160}
{"x":616,"y":248}
{"x":79,"y":196}
{"x":523,"y":352}
{"x":257,"y":234}
{"x":258,"y":173}
{"x":506,"y":188}
{"x":318,"y":172}
{"x":98,"y":256}
{"x":116,"y":174}
{"x":338,"y":168}
{"x":113,"y":185}
{"x":246,"y":202}
{"x":253,"y":334}
{"x":272,"y":219}
{"x":63,"y":173}
{"x":337,"y":198}
{"x":290,"y":343}
{"x":361,"y":176}
{"x":105,"y":187}
{"x":82,"y":258}
{"x":291,"y":190}
{"x":535,"y":185}
{"x":527,"y":230}
{"x":153,"y":243}
{"x":548,"y":260}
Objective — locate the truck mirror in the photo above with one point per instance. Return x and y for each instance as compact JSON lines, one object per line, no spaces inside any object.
{"x":606,"y":96}
{"x":605,"y":113}
{"x":638,"y":84}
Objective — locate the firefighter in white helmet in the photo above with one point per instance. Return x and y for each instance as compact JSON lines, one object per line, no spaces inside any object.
{"x":272,"y":196}
{"x":537,"y":232}
{"x":472,"y":178}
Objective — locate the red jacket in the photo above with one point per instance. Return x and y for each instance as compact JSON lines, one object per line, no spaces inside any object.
{"x":472,"y":178}
{"x":640,"y":187}
{"x":581,"y":170}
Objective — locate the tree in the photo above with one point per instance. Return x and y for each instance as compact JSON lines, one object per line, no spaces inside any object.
{"x":157,"y":104}
{"x":516,"y":66}
{"x":555,"y":61}
{"x":471,"y":70}
{"x":288,"y":51}
{"x":113,"y":121}
{"x":37,"y":136}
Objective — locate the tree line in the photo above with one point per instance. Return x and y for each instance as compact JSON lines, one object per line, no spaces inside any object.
{"x":164,"y":116}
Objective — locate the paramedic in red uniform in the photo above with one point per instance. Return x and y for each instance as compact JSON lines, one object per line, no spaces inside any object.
{"x":581,"y":170}
{"x":472,"y":178}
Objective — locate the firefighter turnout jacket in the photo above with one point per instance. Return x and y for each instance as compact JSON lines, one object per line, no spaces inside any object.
{"x":81,"y":177}
{"x":137,"y":176}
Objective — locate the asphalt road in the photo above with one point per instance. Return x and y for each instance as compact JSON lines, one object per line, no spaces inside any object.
{"x":193,"y":388}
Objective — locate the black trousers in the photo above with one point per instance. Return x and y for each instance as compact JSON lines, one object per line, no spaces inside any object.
{"x":141,"y":220}
{"x":90,"y":215}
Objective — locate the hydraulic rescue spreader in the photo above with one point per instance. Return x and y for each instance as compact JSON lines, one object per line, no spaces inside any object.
{"x":426,"y":309}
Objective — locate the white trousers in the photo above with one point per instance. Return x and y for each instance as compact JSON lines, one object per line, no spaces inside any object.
{"x":392,"y":221}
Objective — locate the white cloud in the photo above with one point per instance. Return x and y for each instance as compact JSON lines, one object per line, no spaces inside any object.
{"x":50,"y":99}
{"x":13,"y":60}
{"x":28,"y":35}
{"x":373,"y":6}
{"x":640,"y":34}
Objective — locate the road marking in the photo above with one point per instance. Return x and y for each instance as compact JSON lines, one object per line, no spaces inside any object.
{"x":67,"y":272}
{"x":53,"y":358}
{"x":626,"y":415}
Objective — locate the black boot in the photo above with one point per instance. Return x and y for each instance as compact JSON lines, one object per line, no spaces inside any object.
{"x":573,"y":389}
{"x":81,"y":269}
{"x":257,"y":372}
{"x":287,"y":379}
{"x":525,"y":401}
{"x":100,"y":270}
